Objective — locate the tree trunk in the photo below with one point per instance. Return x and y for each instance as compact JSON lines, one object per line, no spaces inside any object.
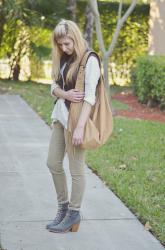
{"x":72,"y":4}
{"x":16,"y":72}
{"x":121,"y":20}
{"x":88,"y":28}
{"x":157,"y":27}
{"x":105,"y":66}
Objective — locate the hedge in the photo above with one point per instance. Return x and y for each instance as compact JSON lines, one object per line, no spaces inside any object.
{"x":148,"y":79}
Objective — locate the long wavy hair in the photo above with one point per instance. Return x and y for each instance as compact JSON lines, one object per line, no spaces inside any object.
{"x":67,"y":28}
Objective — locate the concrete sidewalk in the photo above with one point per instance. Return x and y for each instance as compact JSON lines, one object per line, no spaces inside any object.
{"x":28,"y":200}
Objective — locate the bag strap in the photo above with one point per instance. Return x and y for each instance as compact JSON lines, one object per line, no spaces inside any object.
{"x":81,"y":75}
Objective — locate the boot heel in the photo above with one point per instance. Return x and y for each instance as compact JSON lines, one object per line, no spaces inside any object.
{"x":75,"y":227}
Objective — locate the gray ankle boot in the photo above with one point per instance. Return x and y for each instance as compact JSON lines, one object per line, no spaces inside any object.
{"x":61,"y":213}
{"x":69,"y":223}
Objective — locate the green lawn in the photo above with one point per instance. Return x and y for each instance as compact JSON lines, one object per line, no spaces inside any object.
{"x":131,"y":163}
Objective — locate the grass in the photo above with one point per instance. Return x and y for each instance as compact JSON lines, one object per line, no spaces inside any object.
{"x":36,"y":94}
{"x":131,"y":163}
{"x":115,"y":89}
{"x":119,"y":105}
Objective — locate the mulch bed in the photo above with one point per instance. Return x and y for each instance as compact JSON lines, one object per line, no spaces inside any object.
{"x":136,"y":109}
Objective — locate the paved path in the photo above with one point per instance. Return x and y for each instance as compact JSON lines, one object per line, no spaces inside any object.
{"x":28,"y":201}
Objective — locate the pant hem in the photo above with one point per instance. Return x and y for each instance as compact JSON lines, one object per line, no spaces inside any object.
{"x":63,"y":202}
{"x":73,"y":208}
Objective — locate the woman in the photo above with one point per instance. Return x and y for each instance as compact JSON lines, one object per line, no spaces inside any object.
{"x":69,"y":48}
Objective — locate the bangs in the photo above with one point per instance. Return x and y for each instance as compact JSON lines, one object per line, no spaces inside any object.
{"x":60,"y":31}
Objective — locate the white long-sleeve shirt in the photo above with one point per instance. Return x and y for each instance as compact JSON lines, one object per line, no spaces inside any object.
{"x":92,"y":74}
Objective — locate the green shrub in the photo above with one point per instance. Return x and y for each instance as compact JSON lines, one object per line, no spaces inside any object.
{"x":148,"y":79}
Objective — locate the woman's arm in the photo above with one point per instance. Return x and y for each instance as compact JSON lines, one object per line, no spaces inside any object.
{"x":92,"y":75}
{"x":79,"y":130}
{"x":72,"y":95}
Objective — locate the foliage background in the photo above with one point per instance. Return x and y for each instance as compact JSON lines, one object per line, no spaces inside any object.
{"x":148,"y":79}
{"x":39,"y":19}
{"x":132,"y":41}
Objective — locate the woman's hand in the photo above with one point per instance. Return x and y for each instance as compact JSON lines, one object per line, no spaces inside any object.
{"x":77,"y":138}
{"x":78,"y":133}
{"x":74,"y":95}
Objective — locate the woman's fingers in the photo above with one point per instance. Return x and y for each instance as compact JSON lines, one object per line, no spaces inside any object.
{"x":76,"y":142}
{"x":78,"y":94}
{"x":75,"y":95}
{"x":77,"y":136}
{"x":79,"y":97}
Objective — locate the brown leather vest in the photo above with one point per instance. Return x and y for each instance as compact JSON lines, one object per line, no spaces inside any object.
{"x":68,"y":84}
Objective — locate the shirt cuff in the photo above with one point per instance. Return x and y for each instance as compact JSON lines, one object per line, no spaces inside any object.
{"x":53,"y":87}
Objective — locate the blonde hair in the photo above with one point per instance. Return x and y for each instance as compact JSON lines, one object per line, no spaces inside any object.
{"x":67,"y":28}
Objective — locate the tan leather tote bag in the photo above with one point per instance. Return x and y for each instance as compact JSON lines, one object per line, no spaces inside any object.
{"x":99,"y":125}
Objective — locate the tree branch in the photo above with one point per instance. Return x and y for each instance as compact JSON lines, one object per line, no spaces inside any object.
{"x":120,"y":24}
{"x":120,"y":10}
{"x":129,"y":10}
{"x":94,"y":8}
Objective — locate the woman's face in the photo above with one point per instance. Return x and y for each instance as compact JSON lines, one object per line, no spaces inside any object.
{"x":66,"y":44}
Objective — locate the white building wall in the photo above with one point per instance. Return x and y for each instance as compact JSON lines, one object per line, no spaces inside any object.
{"x":157,"y":27}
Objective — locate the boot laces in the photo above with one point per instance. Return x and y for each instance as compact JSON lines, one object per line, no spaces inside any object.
{"x":59,"y":213}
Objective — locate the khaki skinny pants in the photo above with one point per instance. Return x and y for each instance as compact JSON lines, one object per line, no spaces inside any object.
{"x":60,"y":142}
